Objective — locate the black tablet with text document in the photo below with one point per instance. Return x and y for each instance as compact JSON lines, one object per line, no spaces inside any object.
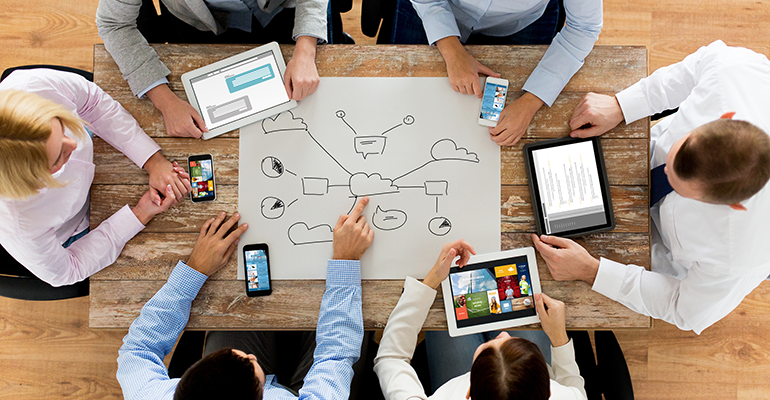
{"x":569,"y":187}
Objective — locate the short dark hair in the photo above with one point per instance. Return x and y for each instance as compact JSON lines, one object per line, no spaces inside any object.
{"x":515,"y":370}
{"x":730,"y":159}
{"x":220,"y":375}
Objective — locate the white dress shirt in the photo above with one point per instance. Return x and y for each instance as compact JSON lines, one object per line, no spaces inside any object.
{"x":706,"y":258}
{"x":565,"y":55}
{"x":35,"y":228}
{"x":399,"y":381}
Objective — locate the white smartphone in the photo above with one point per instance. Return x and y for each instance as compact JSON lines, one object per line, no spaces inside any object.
{"x":493,"y":101}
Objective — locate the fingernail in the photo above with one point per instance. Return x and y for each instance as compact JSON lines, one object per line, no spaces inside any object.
{"x":222,"y":213}
{"x":236,"y":215}
{"x":237,"y":240}
{"x":245,"y":225}
{"x":157,"y":202}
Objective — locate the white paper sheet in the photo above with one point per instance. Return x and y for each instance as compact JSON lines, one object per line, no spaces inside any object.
{"x":412,"y":144}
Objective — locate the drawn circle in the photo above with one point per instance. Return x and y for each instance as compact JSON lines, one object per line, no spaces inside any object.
{"x":272,"y":207}
{"x":272,"y":167}
{"x":527,"y":302}
{"x":439,"y":226}
{"x":340,"y":114}
{"x":409,"y":120}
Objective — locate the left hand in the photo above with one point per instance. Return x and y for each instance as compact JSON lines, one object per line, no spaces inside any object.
{"x":301,"y":78}
{"x":163,"y":173}
{"x":514,"y":120}
{"x":567,"y":260}
{"x":440,"y":269}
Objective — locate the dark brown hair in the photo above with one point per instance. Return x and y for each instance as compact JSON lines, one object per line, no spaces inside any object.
{"x":515,"y":370}
{"x":220,"y":375}
{"x":729,"y":159}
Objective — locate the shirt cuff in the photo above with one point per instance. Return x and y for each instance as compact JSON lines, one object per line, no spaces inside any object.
{"x":343,"y":273}
{"x":566,"y":351}
{"x":159,"y":82}
{"x":415,"y":288}
{"x":320,"y":39}
{"x":439,"y":25}
{"x":633,"y":103}
{"x":544,"y":85}
{"x":609,"y":278}
{"x":187,"y":280}
{"x":126,"y":221}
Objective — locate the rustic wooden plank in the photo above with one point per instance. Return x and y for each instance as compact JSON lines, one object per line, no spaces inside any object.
{"x":224,"y":305}
{"x":549,"y":122}
{"x":152,"y":256}
{"x":606,"y":69}
{"x":630,"y":204}
{"x":626,"y":159}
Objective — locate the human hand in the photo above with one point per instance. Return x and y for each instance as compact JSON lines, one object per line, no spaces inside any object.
{"x":567,"y":260}
{"x":163,"y":173}
{"x":146,"y":208}
{"x":514,"y":120}
{"x":352,"y":235}
{"x":463,"y":70}
{"x":552,"y":319}
{"x":215,"y":245}
{"x":301,"y":78}
{"x":440,"y":269}
{"x":594,"y":115}
{"x":179,"y":116}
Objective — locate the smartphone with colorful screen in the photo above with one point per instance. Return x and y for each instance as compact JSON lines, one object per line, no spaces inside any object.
{"x":202,"y":178}
{"x":493,"y":101}
{"x":256,"y":262}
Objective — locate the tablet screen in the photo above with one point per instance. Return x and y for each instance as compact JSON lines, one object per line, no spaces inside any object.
{"x":569,"y":188}
{"x":492,"y":291}
{"x":239,"y":90}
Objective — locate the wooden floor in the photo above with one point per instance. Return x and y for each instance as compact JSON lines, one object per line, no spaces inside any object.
{"x":47,"y":351}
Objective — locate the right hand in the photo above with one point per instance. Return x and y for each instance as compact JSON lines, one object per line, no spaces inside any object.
{"x":179,"y":116}
{"x":215,"y":246}
{"x":553,"y":319}
{"x":594,"y":115}
{"x":147,"y":208}
{"x":352,"y":235}
{"x":463,"y":70}
{"x":440,"y":269}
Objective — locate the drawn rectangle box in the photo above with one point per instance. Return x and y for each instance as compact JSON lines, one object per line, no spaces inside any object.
{"x":229,"y":109}
{"x":436,"y":188}
{"x":315,"y":186}
{"x":250,"y":78}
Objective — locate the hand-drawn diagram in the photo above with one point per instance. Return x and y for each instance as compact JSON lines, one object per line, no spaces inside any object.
{"x":361,"y":184}
{"x":430,"y":171}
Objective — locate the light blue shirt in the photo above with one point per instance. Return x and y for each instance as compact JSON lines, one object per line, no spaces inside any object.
{"x":461,"y":18}
{"x":152,"y":335}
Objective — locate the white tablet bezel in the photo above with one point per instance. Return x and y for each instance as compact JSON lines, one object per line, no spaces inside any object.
{"x":230,"y":126}
{"x":491,"y":326}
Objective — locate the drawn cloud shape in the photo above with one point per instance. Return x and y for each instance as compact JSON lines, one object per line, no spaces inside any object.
{"x":283,"y":122}
{"x":362,"y":184}
{"x":388,"y":220}
{"x":300,"y":233}
{"x":446,"y":149}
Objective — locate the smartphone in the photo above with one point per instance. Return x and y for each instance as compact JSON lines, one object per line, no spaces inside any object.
{"x":256,"y":262}
{"x":493,"y":101}
{"x":202,"y":178}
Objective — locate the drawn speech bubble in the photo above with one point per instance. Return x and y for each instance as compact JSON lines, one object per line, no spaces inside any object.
{"x":366,"y":145}
{"x":388,"y":220}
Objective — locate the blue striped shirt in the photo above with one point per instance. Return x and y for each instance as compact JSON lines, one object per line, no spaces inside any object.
{"x":142,"y":374}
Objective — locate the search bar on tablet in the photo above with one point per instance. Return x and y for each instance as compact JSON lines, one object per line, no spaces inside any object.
{"x":250,"y":78}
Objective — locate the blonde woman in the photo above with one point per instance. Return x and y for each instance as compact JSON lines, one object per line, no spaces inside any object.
{"x":46,"y":168}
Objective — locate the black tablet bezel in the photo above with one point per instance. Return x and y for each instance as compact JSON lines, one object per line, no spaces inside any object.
{"x":535,"y":192}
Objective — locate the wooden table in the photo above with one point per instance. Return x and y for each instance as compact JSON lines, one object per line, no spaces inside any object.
{"x":119,"y":291}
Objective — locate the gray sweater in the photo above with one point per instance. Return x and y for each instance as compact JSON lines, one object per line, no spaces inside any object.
{"x":140,"y":65}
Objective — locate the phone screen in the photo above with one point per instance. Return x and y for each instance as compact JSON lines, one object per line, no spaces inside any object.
{"x":493,"y":101}
{"x":202,"y":179}
{"x":257,"y":270}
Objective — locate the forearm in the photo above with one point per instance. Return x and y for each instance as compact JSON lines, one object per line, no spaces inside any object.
{"x":305,"y":48}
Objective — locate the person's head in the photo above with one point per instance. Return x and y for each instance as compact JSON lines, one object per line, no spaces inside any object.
{"x":508,"y":368}
{"x":225,"y":374}
{"x":722,"y":162}
{"x":524,"y":277}
{"x":33,"y":145}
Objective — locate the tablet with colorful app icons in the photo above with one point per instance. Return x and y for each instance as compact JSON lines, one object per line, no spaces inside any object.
{"x":494,"y":291}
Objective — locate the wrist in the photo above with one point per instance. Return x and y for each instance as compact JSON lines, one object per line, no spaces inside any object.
{"x":449,"y":47}
{"x":530,"y":103}
{"x":559,"y":340}
{"x":154,"y":162}
{"x":141,"y":214}
{"x":161,"y":96}
{"x":592,"y":271}
{"x":305,"y":47}
{"x":431,"y":281}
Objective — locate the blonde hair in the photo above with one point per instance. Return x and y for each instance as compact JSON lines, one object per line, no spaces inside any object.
{"x":25,"y":126}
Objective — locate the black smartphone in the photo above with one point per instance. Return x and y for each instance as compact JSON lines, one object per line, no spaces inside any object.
{"x":202,"y":178}
{"x":256,"y":263}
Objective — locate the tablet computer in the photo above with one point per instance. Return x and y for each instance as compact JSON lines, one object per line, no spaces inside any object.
{"x":240,"y":90}
{"x":569,"y":187}
{"x":493,"y":291}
